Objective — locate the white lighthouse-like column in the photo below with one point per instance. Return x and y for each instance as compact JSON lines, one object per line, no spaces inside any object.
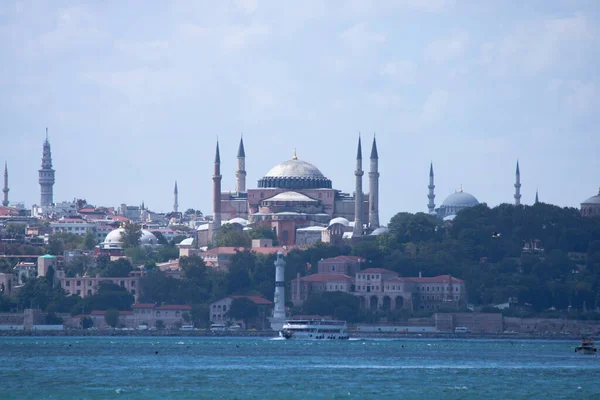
{"x":278,"y":318}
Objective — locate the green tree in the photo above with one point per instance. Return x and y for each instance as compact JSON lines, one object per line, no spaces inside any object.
{"x":229,"y":236}
{"x":87,"y":322}
{"x":200,"y":315}
{"x":111,"y":317}
{"x":131,"y":234}
{"x":243,"y":309}
{"x":263,"y":232}
{"x":110,"y":295}
{"x":118,"y":269}
{"x":186,"y":317}
{"x":159,"y":324}
{"x":89,"y":240}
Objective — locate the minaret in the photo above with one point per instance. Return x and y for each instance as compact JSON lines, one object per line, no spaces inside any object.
{"x":6,"y":189}
{"x":240,"y":175}
{"x":278,"y":318}
{"x":431,"y":187}
{"x":46,"y":175}
{"x":537,"y":199}
{"x":358,"y":195}
{"x":176,"y":198}
{"x":517,"y":186}
{"x":374,"y":187}
{"x":217,"y":193}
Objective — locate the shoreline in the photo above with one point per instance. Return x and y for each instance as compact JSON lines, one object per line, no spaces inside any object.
{"x":272,"y":334}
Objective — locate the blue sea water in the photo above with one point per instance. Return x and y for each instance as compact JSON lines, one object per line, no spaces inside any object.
{"x":262,"y":368}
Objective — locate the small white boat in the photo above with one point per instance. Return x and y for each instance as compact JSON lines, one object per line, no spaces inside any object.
{"x":314,"y":329}
{"x":587,"y":347}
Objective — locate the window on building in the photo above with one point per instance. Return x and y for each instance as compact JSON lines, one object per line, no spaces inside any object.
{"x":122,"y":283}
{"x":132,"y":283}
{"x":177,"y":313}
{"x":158,"y":313}
{"x":78,"y":283}
{"x":78,"y":291}
{"x":68,"y":283}
{"x":224,"y":308}
{"x":89,"y":292}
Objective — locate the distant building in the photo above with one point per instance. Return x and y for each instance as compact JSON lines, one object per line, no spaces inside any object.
{"x":219,"y":309}
{"x":170,"y":314}
{"x":85,"y":286}
{"x":591,"y":206}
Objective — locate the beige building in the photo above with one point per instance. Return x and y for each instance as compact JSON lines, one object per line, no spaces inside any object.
{"x":88,"y":286}
{"x":380,"y":288}
{"x":219,"y":308}
{"x":170,"y":314}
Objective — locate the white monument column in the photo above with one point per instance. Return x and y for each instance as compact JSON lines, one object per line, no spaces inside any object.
{"x":278,"y":318}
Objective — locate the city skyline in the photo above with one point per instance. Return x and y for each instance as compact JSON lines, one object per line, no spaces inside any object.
{"x":141,"y":109}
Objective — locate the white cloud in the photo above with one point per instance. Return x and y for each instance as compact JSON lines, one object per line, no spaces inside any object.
{"x":74,"y":29}
{"x":581,"y":97}
{"x":362,"y":7}
{"x":402,"y":71}
{"x":447,"y":49}
{"x":536,"y":45}
{"x":384,"y":101}
{"x":238,"y":37}
{"x":359,"y":37}
{"x":248,"y":6}
{"x":155,"y":50}
{"x":434,"y":106}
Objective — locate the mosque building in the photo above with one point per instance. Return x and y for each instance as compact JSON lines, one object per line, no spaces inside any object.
{"x":295,"y":195}
{"x":591,"y":206}
{"x":460,"y":200}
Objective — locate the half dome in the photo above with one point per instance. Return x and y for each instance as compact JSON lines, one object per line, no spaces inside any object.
{"x":593,"y":200}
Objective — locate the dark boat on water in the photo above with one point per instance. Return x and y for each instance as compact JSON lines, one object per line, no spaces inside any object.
{"x":587,"y":347}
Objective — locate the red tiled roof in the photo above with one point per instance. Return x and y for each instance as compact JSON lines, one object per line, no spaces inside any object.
{"x":101,"y":312}
{"x":233,"y":250}
{"x":343,"y":259}
{"x":377,"y":271}
{"x":144,"y":305}
{"x":256,"y":299}
{"x":435,"y":279}
{"x":326,"y":278}
{"x":174,"y":307}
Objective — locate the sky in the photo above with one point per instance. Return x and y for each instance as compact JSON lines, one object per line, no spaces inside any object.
{"x":135,"y":94}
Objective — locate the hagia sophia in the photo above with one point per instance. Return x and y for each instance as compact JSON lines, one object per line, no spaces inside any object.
{"x":302,"y":206}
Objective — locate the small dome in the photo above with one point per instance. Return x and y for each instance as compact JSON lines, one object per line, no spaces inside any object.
{"x":460,"y":199}
{"x":339,"y":220}
{"x":187,"y":242}
{"x":147,"y":238}
{"x":240,"y":221}
{"x":380,"y":231}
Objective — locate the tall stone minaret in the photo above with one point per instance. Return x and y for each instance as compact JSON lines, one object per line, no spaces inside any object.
{"x":431,"y":187}
{"x":240,"y":175}
{"x":175,"y":198}
{"x":374,"y":187}
{"x":46,"y":175}
{"x":358,"y":196}
{"x":6,"y":189}
{"x":537,"y":199}
{"x":217,"y":193}
{"x":517,"y":186}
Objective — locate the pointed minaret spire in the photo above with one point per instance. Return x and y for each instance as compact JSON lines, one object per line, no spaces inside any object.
{"x":216,"y":193}
{"x":176,"y":198}
{"x":537,"y":199}
{"x":374,"y":187}
{"x":5,"y":189}
{"x":358,"y":195}
{"x":431,"y":187}
{"x":46,"y":175}
{"x":517,"y":186}
{"x":240,"y":175}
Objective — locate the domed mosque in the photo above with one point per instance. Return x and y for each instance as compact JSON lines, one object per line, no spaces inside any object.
{"x":294,"y":195}
{"x":591,"y":206}
{"x":460,"y":200}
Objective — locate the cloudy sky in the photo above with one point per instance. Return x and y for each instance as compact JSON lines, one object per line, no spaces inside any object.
{"x":135,"y":94}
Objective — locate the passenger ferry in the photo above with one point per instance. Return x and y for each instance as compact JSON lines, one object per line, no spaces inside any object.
{"x":314,"y":329}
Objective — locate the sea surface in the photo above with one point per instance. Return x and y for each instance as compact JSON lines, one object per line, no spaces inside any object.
{"x":263,"y":368}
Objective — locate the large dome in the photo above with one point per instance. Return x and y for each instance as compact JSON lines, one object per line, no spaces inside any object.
{"x":295,"y":174}
{"x":460,"y":199}
{"x":295,"y":169}
{"x":593,"y":200}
